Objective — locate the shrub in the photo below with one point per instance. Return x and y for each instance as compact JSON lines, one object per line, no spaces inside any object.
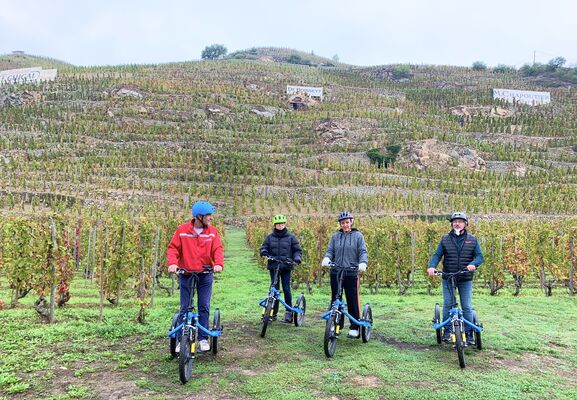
{"x":479,"y":66}
{"x":555,"y":63}
{"x":213,"y":51}
{"x":401,"y":72}
{"x":389,"y":158}
{"x":296,"y":59}
{"x":532,"y":70}
{"x":503,"y":69}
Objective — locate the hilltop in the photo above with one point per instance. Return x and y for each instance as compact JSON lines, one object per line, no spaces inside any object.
{"x":275,"y":54}
{"x":18,"y":60}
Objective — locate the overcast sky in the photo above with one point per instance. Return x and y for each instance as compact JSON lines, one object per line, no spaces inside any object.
{"x":360,"y":32}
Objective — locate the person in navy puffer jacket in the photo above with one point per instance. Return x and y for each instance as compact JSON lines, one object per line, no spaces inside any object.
{"x":282,"y":245}
{"x":460,"y":251}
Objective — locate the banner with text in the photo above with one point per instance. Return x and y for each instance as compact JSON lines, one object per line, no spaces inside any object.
{"x":27,"y":75}
{"x":522,"y":96}
{"x":311,"y":91}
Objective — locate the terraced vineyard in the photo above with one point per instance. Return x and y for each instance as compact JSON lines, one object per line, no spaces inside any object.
{"x":155,"y":137}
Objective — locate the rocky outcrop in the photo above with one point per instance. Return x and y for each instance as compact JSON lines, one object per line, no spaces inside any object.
{"x":266,"y":111}
{"x":125,"y":91}
{"x":471,"y":111}
{"x":435,"y":154}
{"x":332,"y":132}
{"x":17,"y":99}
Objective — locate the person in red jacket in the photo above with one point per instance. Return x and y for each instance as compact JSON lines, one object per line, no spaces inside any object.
{"x":194,"y":245}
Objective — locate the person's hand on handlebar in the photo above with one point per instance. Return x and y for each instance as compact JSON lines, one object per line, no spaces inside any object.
{"x":217,"y":268}
{"x":172,"y":268}
{"x":471,"y":267}
{"x":431,"y":271}
{"x":326,"y":262}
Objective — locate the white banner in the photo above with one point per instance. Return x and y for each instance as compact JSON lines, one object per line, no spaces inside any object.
{"x":27,"y":75}
{"x":522,"y":96}
{"x":311,"y":91}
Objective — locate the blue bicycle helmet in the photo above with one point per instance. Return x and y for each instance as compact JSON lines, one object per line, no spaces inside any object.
{"x":202,"y":208}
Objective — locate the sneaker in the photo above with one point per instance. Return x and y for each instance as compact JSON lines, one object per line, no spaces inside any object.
{"x":446,"y":336}
{"x":470,"y":339}
{"x":288,"y":318}
{"x":353,"y":333}
{"x":177,"y":349}
{"x":204,"y":346}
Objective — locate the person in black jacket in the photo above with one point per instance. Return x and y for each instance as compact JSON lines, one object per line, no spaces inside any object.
{"x":283,"y":245}
{"x":460,"y":251}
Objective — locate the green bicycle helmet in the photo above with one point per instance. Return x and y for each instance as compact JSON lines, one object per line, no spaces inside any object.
{"x":279,"y":219}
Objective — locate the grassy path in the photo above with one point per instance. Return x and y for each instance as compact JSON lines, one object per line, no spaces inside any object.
{"x":529,"y":353}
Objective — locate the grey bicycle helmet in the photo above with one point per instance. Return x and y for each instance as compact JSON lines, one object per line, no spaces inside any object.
{"x":459,"y":215}
{"x":345,"y":215}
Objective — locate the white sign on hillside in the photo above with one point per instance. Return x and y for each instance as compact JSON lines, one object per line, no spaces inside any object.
{"x":27,"y":75}
{"x":522,"y":96}
{"x":311,"y":91}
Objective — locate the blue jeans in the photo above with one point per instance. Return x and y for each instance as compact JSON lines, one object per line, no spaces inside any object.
{"x":203,"y":294}
{"x":466,"y":299}
{"x":284,"y":275}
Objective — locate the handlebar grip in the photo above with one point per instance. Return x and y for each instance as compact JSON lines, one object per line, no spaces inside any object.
{"x":182,"y":271}
{"x":287,"y":261}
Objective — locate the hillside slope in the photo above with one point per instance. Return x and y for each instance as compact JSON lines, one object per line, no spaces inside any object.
{"x":160,"y":135}
{"x":17,"y":60}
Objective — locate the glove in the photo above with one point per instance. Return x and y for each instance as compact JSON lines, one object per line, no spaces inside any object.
{"x":264,"y":253}
{"x":298,"y":261}
{"x":326,"y":262}
{"x":362,"y":267}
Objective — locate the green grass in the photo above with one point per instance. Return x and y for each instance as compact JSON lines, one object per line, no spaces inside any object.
{"x":530,"y":348}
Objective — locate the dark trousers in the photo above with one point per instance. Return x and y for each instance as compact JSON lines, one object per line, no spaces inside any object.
{"x":203,"y":294}
{"x":284,"y":276}
{"x":351,"y":289}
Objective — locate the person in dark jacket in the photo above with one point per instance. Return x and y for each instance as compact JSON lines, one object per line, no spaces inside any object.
{"x":460,"y":250}
{"x":347,"y":248}
{"x":283,"y":245}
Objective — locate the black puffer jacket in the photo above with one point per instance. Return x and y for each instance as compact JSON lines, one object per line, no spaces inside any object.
{"x":282,"y":245}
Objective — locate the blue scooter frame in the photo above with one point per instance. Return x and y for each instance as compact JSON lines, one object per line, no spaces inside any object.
{"x":268,"y":303}
{"x":457,"y":321}
{"x":189,"y":331}
{"x":335,"y":315}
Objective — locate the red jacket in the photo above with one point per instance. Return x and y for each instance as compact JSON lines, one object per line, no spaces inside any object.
{"x":191,"y":251}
